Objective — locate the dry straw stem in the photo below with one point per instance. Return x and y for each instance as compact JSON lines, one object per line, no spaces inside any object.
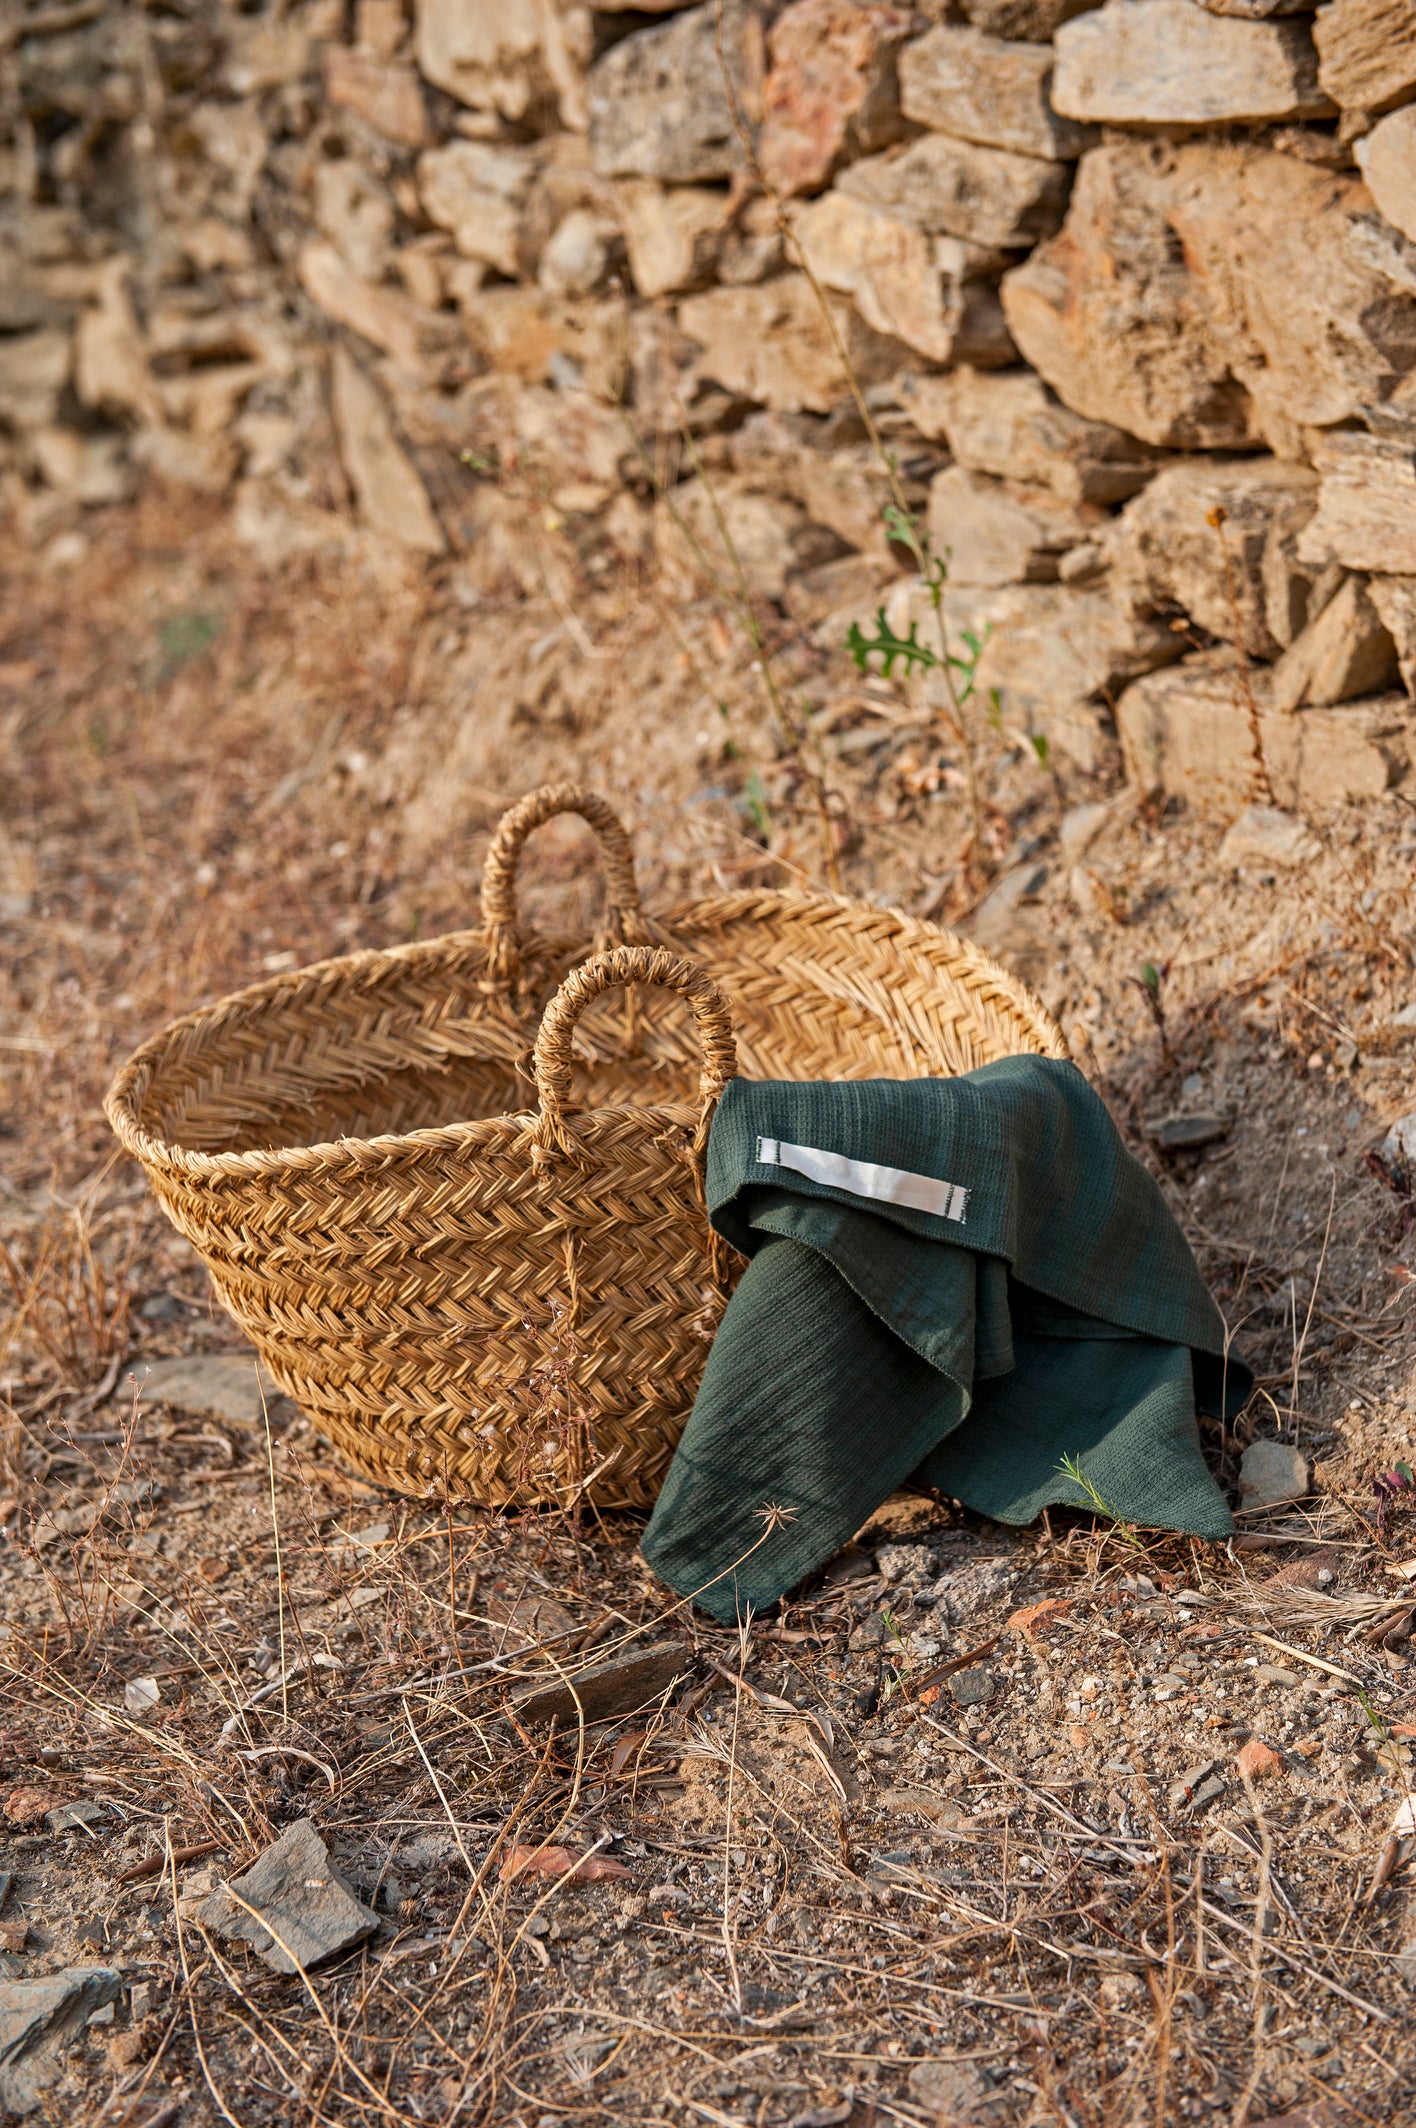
{"x":217,"y":2099}
{"x":800,"y":734}
{"x":799,"y":738}
{"x":1218,"y":517}
{"x":1240,"y":2115}
{"x":904,"y":525}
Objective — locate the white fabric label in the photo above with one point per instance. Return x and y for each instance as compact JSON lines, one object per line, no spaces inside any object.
{"x":863,"y":1178}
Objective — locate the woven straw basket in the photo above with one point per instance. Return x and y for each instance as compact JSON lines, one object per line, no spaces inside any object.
{"x":473,"y":1297}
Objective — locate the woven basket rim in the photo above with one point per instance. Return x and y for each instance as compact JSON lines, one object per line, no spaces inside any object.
{"x":515,"y":1129}
{"x":691,"y":914}
{"x":896,"y":922}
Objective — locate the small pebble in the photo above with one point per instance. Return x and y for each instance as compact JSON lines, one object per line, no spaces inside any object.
{"x":971,"y":1688}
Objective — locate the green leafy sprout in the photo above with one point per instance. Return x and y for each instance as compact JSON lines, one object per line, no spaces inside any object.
{"x":892,"y":648}
{"x":1071,"y":1466}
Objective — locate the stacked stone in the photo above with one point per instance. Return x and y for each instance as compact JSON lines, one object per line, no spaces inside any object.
{"x":1130,"y":291}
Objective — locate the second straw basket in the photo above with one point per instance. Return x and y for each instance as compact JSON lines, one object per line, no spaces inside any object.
{"x":506,"y":1304}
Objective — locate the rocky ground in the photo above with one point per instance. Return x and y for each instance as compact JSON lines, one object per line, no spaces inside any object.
{"x":1075,"y":1824}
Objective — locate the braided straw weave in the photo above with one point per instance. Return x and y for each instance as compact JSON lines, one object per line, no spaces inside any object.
{"x":474,"y":1297}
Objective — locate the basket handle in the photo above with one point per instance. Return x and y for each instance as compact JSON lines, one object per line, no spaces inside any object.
{"x":605,"y":971}
{"x":623,"y":920}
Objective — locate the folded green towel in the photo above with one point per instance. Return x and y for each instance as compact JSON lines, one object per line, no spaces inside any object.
{"x":964,"y":1279}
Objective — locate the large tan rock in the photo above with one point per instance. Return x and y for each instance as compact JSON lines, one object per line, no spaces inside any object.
{"x":1294,"y":590}
{"x":381,"y":315}
{"x":949,"y":187}
{"x":770,"y":343}
{"x":1110,"y":314}
{"x":580,"y":448}
{"x":831,"y":89}
{"x":1395,"y":600}
{"x":658,"y":103}
{"x":235,"y":142}
{"x":1256,"y":10}
{"x":988,"y":89}
{"x":1031,"y":21}
{"x":392,"y":499}
{"x":1213,"y":294}
{"x":701,"y":535}
{"x":34,"y":368}
{"x":1367,"y":50}
{"x":207,"y":463}
{"x":110,"y":361}
{"x":355,"y":212}
{"x":388,"y":97}
{"x":263,"y":53}
{"x":1345,"y":651}
{"x":994,"y":532}
{"x":901,"y":281}
{"x":89,"y":469}
{"x":846,"y":489}
{"x":1186,"y":732}
{"x":1366,"y":515}
{"x":1056,"y":656}
{"x":511,"y":57}
{"x":477,"y":192}
{"x":672,"y":234}
{"x":1351,"y":753}
{"x":1166,"y":551}
{"x":1171,"y":63}
{"x":1310,"y":326}
{"x":1387,"y":158}
{"x":1008,"y":423}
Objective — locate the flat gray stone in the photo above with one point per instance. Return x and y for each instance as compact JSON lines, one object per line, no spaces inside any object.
{"x":968,"y":1589}
{"x":1176,"y":1134}
{"x":906,"y":1562}
{"x":1080,"y":825}
{"x":69,"y":1817}
{"x":38,"y":2019}
{"x":620,"y":1686}
{"x":312,"y":1913}
{"x":64,"y":1522}
{"x":1272,"y":1472}
{"x":1264,"y":835}
{"x":973,"y":1688}
{"x":912,"y":1798}
{"x":1187,"y":1787}
{"x":225,"y":1385}
{"x":947,"y":2091}
{"x":998,"y":924}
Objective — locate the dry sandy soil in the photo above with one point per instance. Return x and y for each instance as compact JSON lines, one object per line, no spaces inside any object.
{"x":841,"y":1892}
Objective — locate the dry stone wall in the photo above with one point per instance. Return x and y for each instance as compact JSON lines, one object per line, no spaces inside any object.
{"x":1129,"y":289}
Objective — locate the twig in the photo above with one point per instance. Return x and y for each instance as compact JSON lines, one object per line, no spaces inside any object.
{"x":279,"y":1573}
{"x":220,"y":2103}
{"x":1314,"y":1662}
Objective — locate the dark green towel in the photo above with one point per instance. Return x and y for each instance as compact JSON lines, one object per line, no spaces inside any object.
{"x":961,"y":1279}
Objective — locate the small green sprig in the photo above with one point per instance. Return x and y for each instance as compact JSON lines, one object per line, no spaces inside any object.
{"x":1071,"y":1466}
